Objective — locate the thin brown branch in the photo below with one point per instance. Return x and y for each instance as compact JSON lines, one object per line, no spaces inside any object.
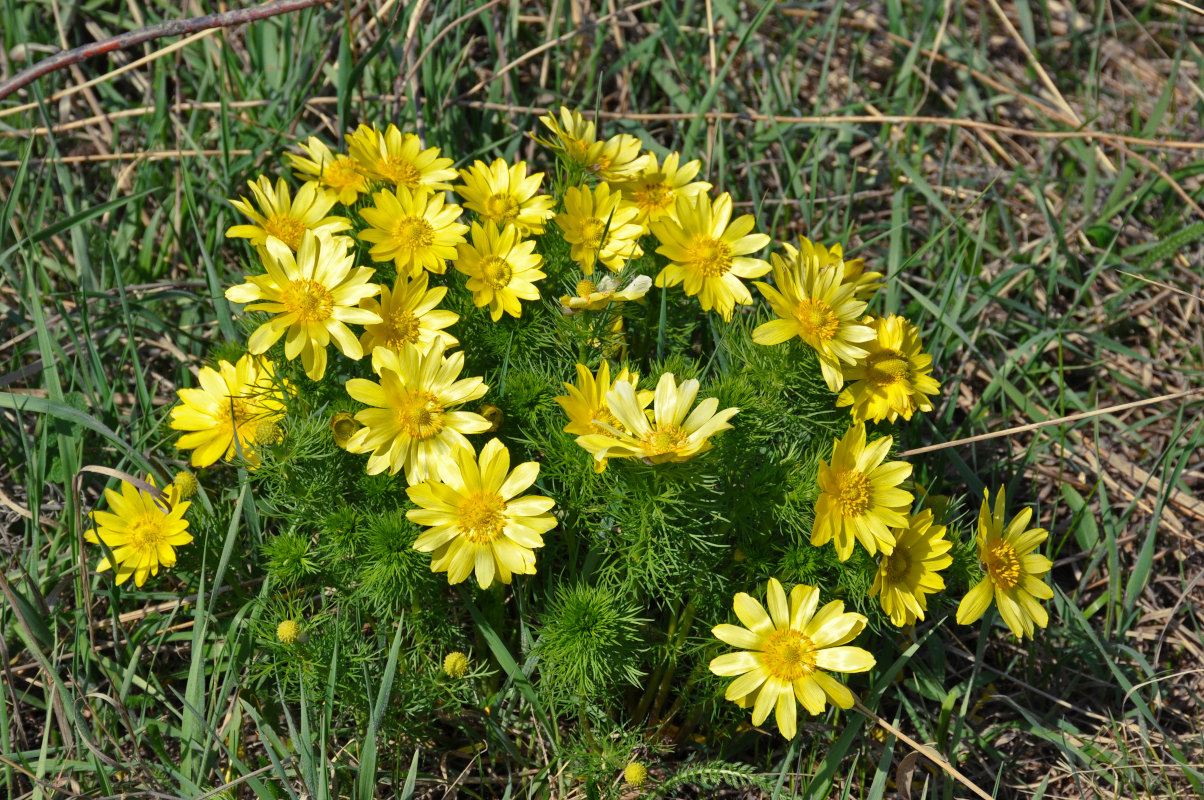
{"x":133,"y":38}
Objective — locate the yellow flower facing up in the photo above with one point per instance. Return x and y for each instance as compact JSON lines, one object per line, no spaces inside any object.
{"x":912,"y":571}
{"x":408,"y":315}
{"x":814,"y":305}
{"x":893,"y":379}
{"x":338,"y":175}
{"x":654,"y":191}
{"x":709,"y":256}
{"x":141,"y":530}
{"x":506,"y":194}
{"x":599,"y":228}
{"x":476,"y":520}
{"x":595,"y":297}
{"x":283,"y":217}
{"x":860,"y":496}
{"x":399,"y":158}
{"x":502,"y":269}
{"x":675,"y":433}
{"x":220,"y":418}
{"x":785,"y":655}
{"x":412,"y":423}
{"x":312,"y":297}
{"x":1014,"y":573}
{"x":587,"y":408}
{"x":415,"y":231}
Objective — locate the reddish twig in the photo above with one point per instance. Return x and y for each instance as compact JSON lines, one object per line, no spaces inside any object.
{"x":125,"y":40}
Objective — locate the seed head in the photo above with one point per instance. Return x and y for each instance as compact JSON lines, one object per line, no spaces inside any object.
{"x":185,"y":483}
{"x":635,"y":774}
{"x":288,"y":630}
{"x":268,"y":432}
{"x":456,"y":665}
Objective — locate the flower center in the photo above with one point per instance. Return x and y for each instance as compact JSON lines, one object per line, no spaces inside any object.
{"x":413,"y":233}
{"x":711,"y":257}
{"x":501,"y":207}
{"x":146,"y":534}
{"x":420,"y":415}
{"x":886,"y":368}
{"x":817,"y":320}
{"x":898,"y":564}
{"x":241,"y":411}
{"x":667,"y":439}
{"x":1003,"y":564}
{"x":602,"y":415}
{"x":586,"y":288}
{"x":400,"y":328}
{"x":342,"y":174}
{"x":496,"y":271}
{"x":285,"y":228}
{"x":592,"y":231}
{"x":482,"y":518}
{"x":309,"y":300}
{"x":788,"y":655}
{"x":652,"y":197}
{"x":400,"y":171}
{"x":852,"y":493}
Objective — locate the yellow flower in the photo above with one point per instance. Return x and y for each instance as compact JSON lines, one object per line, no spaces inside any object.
{"x":505,"y":194}
{"x":339,"y":175}
{"x":411,"y":424}
{"x":852,"y":271}
{"x":342,"y":427}
{"x":670,"y":436}
{"x":617,"y":159}
{"x":783,"y":654}
{"x":586,"y":404}
{"x":859,"y":496}
{"x":893,"y":379}
{"x":477,"y":522}
{"x":654,"y":191}
{"x":813,"y":304}
{"x":912,"y":570}
{"x":595,"y":297}
{"x":408,"y":316}
{"x":312,"y":297}
{"x":398,"y":158}
{"x":141,"y":530}
{"x":599,"y":228}
{"x":1013,"y":571}
{"x":501,"y":269}
{"x":415,"y":231}
{"x":220,"y":418}
{"x":574,"y":134}
{"x":708,"y":255}
{"x":284,"y":218}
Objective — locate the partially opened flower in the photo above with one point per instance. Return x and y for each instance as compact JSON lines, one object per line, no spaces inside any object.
{"x":670,"y":436}
{"x":476,"y":521}
{"x":412,"y":422}
{"x":912,"y":570}
{"x":312,"y":297}
{"x":599,"y":229}
{"x":595,"y":297}
{"x":587,"y":408}
{"x":1014,"y":573}
{"x":408,"y":315}
{"x":708,"y":252}
{"x":221,"y":418}
{"x":506,"y":194}
{"x":785,"y":655}
{"x":142,"y":531}
{"x":574,"y":135}
{"x":283,"y":217}
{"x":813,"y":304}
{"x":655,"y":190}
{"x":893,"y":379}
{"x":502,"y":269}
{"x":860,"y":496}
{"x":339,"y":175}
{"x":415,"y":231}
{"x":399,"y":158}
{"x":619,"y":158}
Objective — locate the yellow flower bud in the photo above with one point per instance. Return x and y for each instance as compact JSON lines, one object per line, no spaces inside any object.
{"x":456,"y":664}
{"x":635,"y":774}
{"x":288,"y":630}
{"x":493,"y":414}
{"x":343,"y":426}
